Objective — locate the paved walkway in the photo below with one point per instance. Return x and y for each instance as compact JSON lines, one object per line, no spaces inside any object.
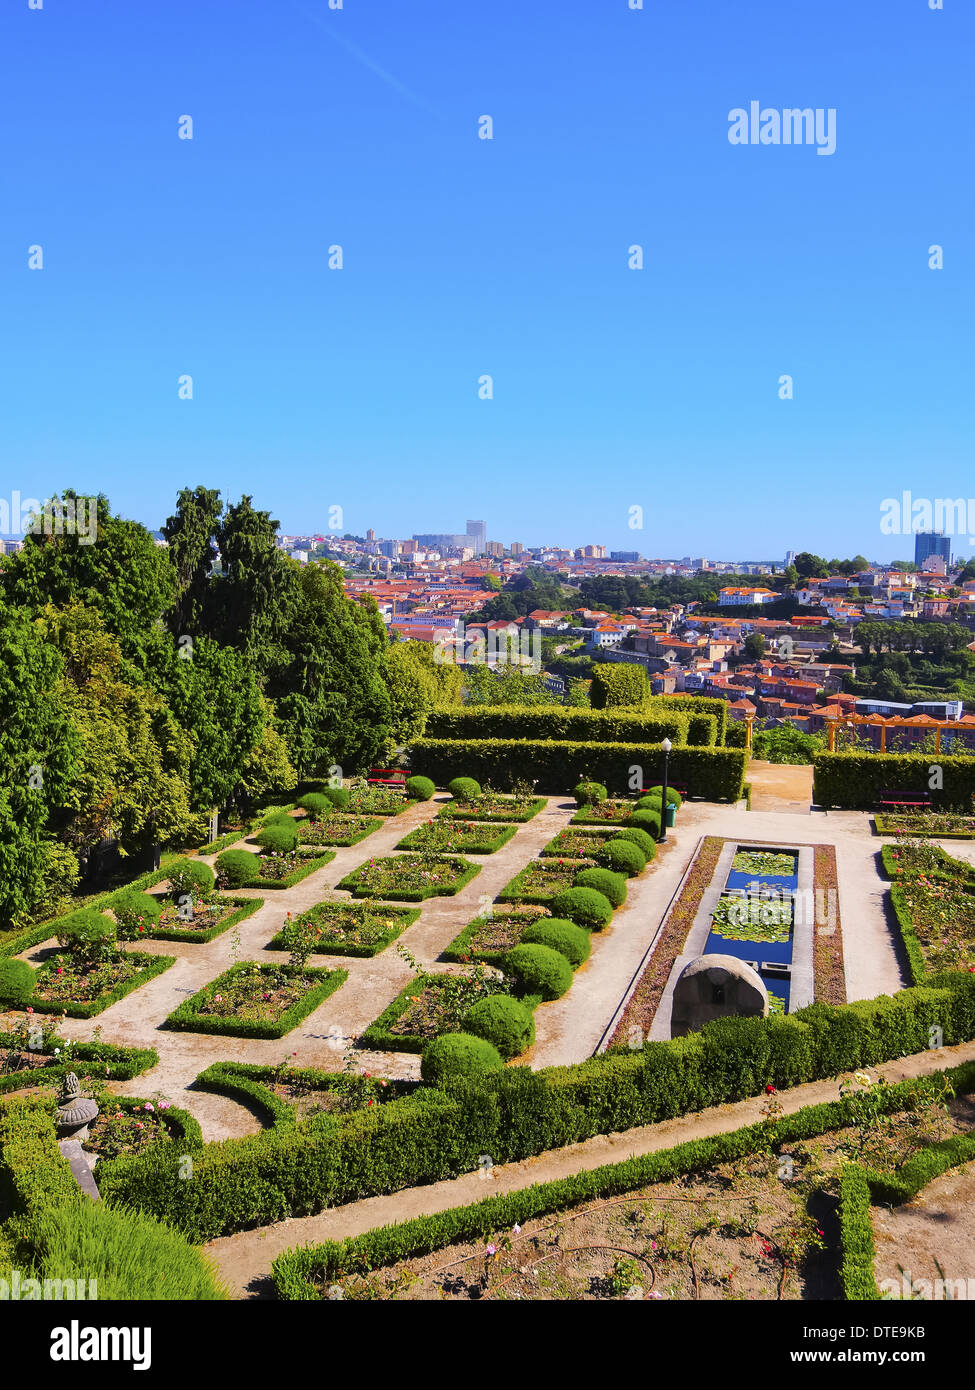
{"x":244,"y":1260}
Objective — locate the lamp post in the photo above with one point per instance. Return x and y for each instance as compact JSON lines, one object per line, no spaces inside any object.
{"x":665,"y":748}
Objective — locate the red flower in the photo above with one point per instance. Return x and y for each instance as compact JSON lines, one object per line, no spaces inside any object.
{"x":770,"y":1089}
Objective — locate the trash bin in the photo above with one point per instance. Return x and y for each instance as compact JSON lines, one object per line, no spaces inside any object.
{"x":671,"y":815}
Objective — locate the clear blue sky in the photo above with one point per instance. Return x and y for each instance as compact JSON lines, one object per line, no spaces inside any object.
{"x":613,"y":387}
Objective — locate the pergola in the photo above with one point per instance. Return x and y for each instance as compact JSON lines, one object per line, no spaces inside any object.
{"x":923,"y":722}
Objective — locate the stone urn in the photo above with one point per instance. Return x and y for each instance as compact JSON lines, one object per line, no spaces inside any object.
{"x":75,"y":1111}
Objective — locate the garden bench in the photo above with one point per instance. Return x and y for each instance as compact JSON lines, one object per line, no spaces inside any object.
{"x":387,"y":777}
{"x":894,"y":797}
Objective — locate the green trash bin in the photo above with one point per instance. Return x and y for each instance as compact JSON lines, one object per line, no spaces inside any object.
{"x":671,"y":815}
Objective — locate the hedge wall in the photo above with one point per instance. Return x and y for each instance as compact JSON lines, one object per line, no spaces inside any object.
{"x":716,"y":774}
{"x":561,"y":722}
{"x":858,"y":780}
{"x":697,"y":707}
{"x":516,"y":1113}
{"x":617,"y":685}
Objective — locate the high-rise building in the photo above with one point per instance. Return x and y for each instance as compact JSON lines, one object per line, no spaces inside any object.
{"x":931,"y":543}
{"x":370,"y":534}
{"x":478,"y":532}
{"x":627,"y":556}
{"x":517,"y":548}
{"x":494,"y":547}
{"x":389,"y":549}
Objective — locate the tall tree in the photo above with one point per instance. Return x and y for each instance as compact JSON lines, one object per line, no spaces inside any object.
{"x":191,"y":534}
{"x":257,"y":591}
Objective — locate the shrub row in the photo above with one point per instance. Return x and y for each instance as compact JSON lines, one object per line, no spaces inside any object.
{"x":557,"y":722}
{"x":858,"y":780}
{"x":696,"y":706}
{"x":516,"y":1112}
{"x":716,"y":774}
{"x":187,"y":1018}
{"x":151,"y":965}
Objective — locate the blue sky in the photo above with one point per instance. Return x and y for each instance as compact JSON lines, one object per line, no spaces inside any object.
{"x":613,"y":388}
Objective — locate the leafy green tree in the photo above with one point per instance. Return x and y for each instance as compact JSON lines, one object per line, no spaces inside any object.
{"x":754,"y":646}
{"x":255,"y":597}
{"x":267,"y":768}
{"x":191,"y":533}
{"x":809,"y":566}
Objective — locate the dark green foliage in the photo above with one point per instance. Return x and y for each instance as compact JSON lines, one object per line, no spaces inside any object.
{"x":133,"y":910}
{"x":650,"y":803}
{"x":238,"y":867}
{"x":623,"y":856}
{"x":614,"y":686}
{"x":560,"y":935}
{"x":338,"y":796}
{"x":673,"y":798}
{"x":562,"y":722}
{"x":420,"y":788}
{"x":502,"y":1021}
{"x":464,"y":789}
{"x":190,"y":876}
{"x":539,"y":970}
{"x":16,"y":981}
{"x":280,"y":837}
{"x":611,"y":885}
{"x":646,"y":820}
{"x":87,"y":934}
{"x":589,"y":793}
{"x":458,"y":1055}
{"x":639,"y":837}
{"x":317,"y":804}
{"x":698,"y":708}
{"x":584,"y":906}
{"x":860,"y":779}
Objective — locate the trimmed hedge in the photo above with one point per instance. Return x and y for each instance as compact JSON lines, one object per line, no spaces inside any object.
{"x":716,"y":774}
{"x":251,"y":1083}
{"x":306,"y":864}
{"x":132,"y":910}
{"x":238,"y":866}
{"x":560,"y":935}
{"x":503,"y":1021}
{"x":622,"y":686}
{"x":611,"y":885}
{"x":419,"y":788}
{"x":280,"y":837}
{"x":316,"y":804}
{"x":539,"y":970}
{"x":622,"y":856}
{"x":560,"y":722}
{"x":150,"y":966}
{"x":464,"y":789}
{"x":644,"y":841}
{"x":585,"y":906}
{"x":589,"y":793}
{"x":243,"y":908}
{"x":458,"y":1055}
{"x":696,"y":706}
{"x":338,"y":796}
{"x":17,"y":980}
{"x":189,"y":876}
{"x":645,"y":819}
{"x":119,"y":1063}
{"x":187,"y":1019}
{"x":858,"y":780}
{"x":514,"y":1113}
{"x":673,"y":798}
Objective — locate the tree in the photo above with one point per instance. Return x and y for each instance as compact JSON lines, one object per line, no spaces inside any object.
{"x":191,"y":534}
{"x":255,"y":596}
{"x":809,"y":566}
{"x":267,"y":768}
{"x":791,"y":576}
{"x":754,"y":646}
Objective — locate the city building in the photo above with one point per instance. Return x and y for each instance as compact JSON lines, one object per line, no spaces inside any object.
{"x":931,"y":543}
{"x":477,"y":531}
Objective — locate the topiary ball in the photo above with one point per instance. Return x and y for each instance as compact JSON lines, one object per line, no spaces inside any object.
{"x":611,"y":885}
{"x":419,"y":788}
{"x":317,"y":804}
{"x":338,"y":796}
{"x":135,"y":913}
{"x":639,"y":837}
{"x":584,"y":906}
{"x":650,"y":803}
{"x":279,"y":838}
{"x":88,"y":933}
{"x":589,"y":793}
{"x":16,"y":981}
{"x":502,"y":1021}
{"x":238,"y":867}
{"x":646,"y":820}
{"x":454,"y":1056}
{"x":539,"y":970}
{"x":464,"y":789}
{"x":622,"y":856}
{"x":190,"y":876}
{"x":673,"y":798}
{"x":561,"y":935}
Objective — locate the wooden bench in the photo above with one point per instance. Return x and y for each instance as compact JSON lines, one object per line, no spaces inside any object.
{"x":387,"y":777}
{"x":894,"y":798}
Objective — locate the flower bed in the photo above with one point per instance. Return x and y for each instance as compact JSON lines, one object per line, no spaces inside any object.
{"x":493,"y":806}
{"x":489,"y":939}
{"x":941,"y":825}
{"x":211,"y":918}
{"x":285,"y":870}
{"x":457,"y":836}
{"x":35,"y":1055}
{"x":125,"y":1126}
{"x":410,"y":877}
{"x":940,"y":917}
{"x":751,"y":861}
{"x":338,"y":829}
{"x":576,"y":844}
{"x":542,"y":879}
{"x":352,"y":929}
{"x":84,"y":989}
{"x":604,"y":813}
{"x":285,"y":1095}
{"x":256,"y":1001}
{"x":376,"y":801}
{"x":428,"y":1006}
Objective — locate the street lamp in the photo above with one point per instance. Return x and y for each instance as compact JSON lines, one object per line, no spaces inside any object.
{"x":665,"y":747}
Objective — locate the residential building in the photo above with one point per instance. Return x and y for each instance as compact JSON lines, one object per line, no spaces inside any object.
{"x":931,"y":543}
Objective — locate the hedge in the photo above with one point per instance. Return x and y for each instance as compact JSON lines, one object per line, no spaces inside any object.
{"x":559,"y":722}
{"x":186,"y":1018}
{"x":461,"y":950}
{"x":611,"y":885}
{"x":251,"y":1083}
{"x":516,"y":1113}
{"x":572,"y":941}
{"x":467,"y":872}
{"x":119,"y":1063}
{"x":716,"y":774}
{"x":539,"y":970}
{"x":858,"y":780}
{"x":237,"y":867}
{"x":298,"y":1272}
{"x":151,"y":965}
{"x":378,"y":1035}
{"x":312,"y":863}
{"x":616,"y":686}
{"x":243,"y":908}
{"x":455,"y":1055}
{"x":503,"y":1021}
{"x":400,"y":919}
{"x":494,"y":836}
{"x":696,"y":706}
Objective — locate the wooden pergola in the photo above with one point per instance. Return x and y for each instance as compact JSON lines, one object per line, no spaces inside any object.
{"x":923,"y":722}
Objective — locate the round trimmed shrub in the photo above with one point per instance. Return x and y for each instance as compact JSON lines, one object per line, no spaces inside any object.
{"x":650,"y":803}
{"x":565,"y":937}
{"x":646,"y":820}
{"x":590,"y":793}
{"x":584,"y":906}
{"x":16,"y":981}
{"x":419,"y":788}
{"x":464,"y":789}
{"x":539,"y":970}
{"x":88,"y":934}
{"x":639,"y":837}
{"x":611,"y":885}
{"x":277,"y":817}
{"x":134,"y":910}
{"x":317,"y":804}
{"x":623,"y":857}
{"x":279,"y":838}
{"x":190,"y":876}
{"x":338,"y":796}
{"x":674,"y":798}
{"x":502,"y":1021}
{"x":458,"y":1055}
{"x":238,"y":867}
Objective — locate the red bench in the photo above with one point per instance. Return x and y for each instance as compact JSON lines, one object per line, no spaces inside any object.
{"x":896,"y":798}
{"x":387,"y":777}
